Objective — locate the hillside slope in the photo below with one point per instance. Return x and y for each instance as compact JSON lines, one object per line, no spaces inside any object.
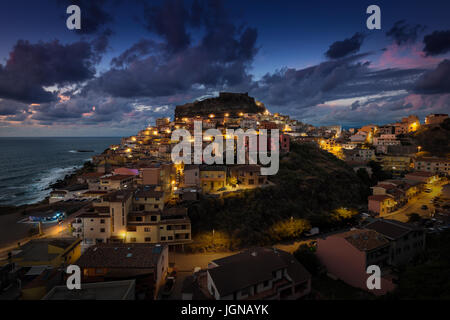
{"x":310,"y":186}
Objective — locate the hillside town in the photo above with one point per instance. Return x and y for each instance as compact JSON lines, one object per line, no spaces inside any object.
{"x":133,"y":235}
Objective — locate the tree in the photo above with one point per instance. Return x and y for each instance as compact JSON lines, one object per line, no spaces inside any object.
{"x":306,"y":256}
{"x":289,"y":229}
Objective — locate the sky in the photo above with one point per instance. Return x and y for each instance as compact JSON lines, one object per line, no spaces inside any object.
{"x":133,"y":61}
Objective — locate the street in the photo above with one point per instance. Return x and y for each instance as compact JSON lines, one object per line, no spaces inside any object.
{"x":415,"y":205}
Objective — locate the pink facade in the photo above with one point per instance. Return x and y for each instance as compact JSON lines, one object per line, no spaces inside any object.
{"x":347,"y":263}
{"x":126,"y":171}
{"x":375,"y":206}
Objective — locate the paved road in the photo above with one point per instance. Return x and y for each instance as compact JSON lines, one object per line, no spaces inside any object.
{"x":52,"y":230}
{"x":415,"y":204}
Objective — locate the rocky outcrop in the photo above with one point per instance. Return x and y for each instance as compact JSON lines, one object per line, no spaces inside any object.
{"x":226,"y":102}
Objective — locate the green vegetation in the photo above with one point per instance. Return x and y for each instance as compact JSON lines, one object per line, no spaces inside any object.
{"x":427,"y":278}
{"x":310,"y":187}
{"x":306,"y":256}
{"x":435,"y":140}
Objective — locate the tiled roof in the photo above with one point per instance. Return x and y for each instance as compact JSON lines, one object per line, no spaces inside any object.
{"x":390,"y":228}
{"x":364,"y":239}
{"x":254,"y":266}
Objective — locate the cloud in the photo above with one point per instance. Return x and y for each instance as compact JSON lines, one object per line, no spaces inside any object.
{"x":293,"y":90}
{"x":340,"y":49}
{"x":403,"y":33}
{"x":10,"y":107}
{"x":169,"y":20}
{"x":31,"y":67}
{"x":93,"y":15}
{"x":437,"y":43}
{"x":135,"y":52}
{"x":435,"y":81}
{"x":221,"y":58}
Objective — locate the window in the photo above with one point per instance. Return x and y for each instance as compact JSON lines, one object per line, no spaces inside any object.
{"x":138,"y":218}
{"x":153,"y":218}
{"x":156,"y":206}
{"x":169,"y":227}
{"x":148,"y":239}
{"x":102,"y":230}
{"x":170,"y":238}
{"x":146,"y":229}
{"x":102,"y":220}
{"x":163,"y":238}
{"x":133,"y":239}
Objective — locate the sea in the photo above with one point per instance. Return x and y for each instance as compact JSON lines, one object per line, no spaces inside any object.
{"x":29,"y":165}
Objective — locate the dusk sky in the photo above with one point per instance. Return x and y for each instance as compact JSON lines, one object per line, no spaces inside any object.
{"x":134,"y":61}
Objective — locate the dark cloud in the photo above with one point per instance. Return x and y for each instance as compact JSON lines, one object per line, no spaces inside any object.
{"x":403,"y":33}
{"x":437,"y":43}
{"x":93,"y":14}
{"x":10,"y":107}
{"x":221,"y":58}
{"x":30,"y":67}
{"x":170,"y":21}
{"x":100,"y":43}
{"x":340,"y":49}
{"x":293,"y":91}
{"x":435,"y":81}
{"x":355,"y":105}
{"x":135,"y":52}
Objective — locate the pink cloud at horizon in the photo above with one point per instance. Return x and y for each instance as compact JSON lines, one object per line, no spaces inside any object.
{"x":405,"y":57}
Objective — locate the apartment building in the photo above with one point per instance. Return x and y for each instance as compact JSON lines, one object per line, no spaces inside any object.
{"x":133,"y":216}
{"x":170,"y":226}
{"x":432,"y":165}
{"x":382,"y":204}
{"x":394,"y":163}
{"x":248,"y":175}
{"x":191,"y":174}
{"x":212,"y":177}
{"x":407,"y":240}
{"x":147,"y":264}
{"x":347,"y":255}
{"x":258,"y":274}
{"x":116,"y":182}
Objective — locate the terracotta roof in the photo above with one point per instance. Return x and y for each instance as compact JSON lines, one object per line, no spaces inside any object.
{"x":121,"y":255}
{"x":363,"y":239}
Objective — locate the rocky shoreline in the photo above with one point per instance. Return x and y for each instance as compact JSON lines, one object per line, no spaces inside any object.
{"x":69,"y":179}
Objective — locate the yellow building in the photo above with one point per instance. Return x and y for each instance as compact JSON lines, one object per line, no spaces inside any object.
{"x":212,"y":178}
{"x":396,"y":163}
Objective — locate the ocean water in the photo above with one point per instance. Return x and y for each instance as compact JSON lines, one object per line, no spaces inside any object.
{"x":29,"y":165}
